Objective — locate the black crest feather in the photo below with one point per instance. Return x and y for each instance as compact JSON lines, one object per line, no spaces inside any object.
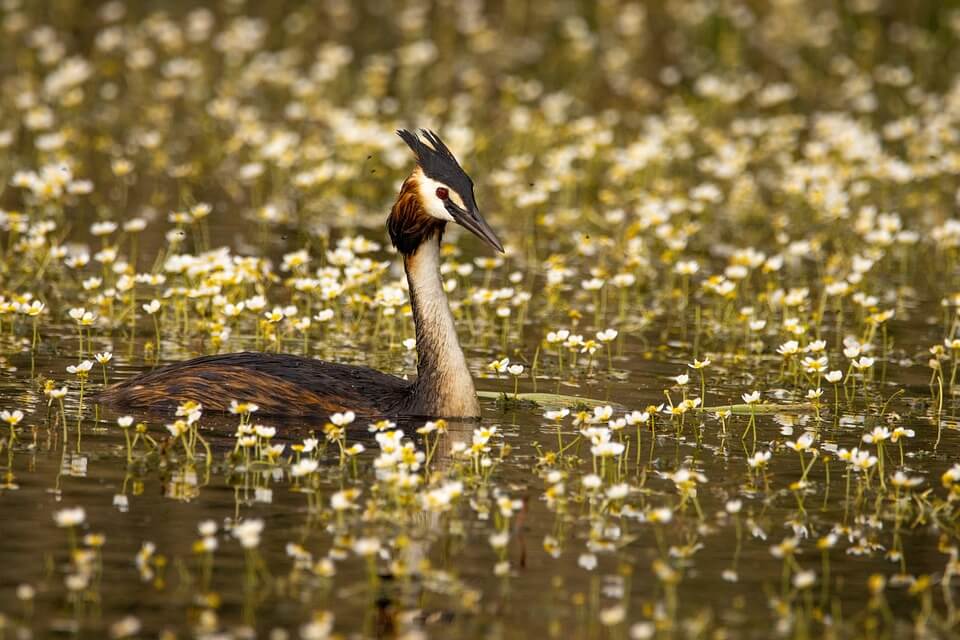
{"x":439,"y":163}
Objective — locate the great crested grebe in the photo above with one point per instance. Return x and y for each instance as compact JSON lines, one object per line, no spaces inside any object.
{"x":437,"y":192}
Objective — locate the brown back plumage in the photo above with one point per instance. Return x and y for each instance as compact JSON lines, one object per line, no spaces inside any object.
{"x":279,"y":384}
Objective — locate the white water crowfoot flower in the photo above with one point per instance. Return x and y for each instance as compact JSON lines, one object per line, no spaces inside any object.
{"x":320,"y":628}
{"x":367,"y":547}
{"x":803,"y":444}
{"x":557,"y":416}
{"x":587,"y":561}
{"x":898,"y":435}
{"x":878,"y":435}
{"x":104,"y":358}
{"x":125,"y":422}
{"x":816,"y":346}
{"x":643,"y":631}
{"x":190,"y":410}
{"x":72,"y":517}
{"x":759,"y":459}
{"x":901,"y":432}
{"x":344,"y":500}
{"x":516,"y":370}
{"x":687,"y":267}
{"x":699,"y":366}
{"x":151,"y":308}
{"x":602,"y":413}
{"x":858,"y":460}
{"x":430,"y":427}
{"x":863,"y":363}
{"x":126,"y":627}
{"x":33,"y":311}
{"x":607,"y":449}
{"x":814,"y":365}
{"x":80,"y":370}
{"x":12,"y":418}
{"x":789,"y":348}
{"x":591,"y":482}
{"x":752,"y":399}
{"x":606,"y":338}
{"x":560,"y":339}
{"x":82,"y":317}
{"x":618,"y":491}
{"x":900,"y":480}
{"x":607,"y":335}
{"x":499,"y":366}
{"x":304,"y":467}
{"x":804,"y":579}
{"x":441,"y":499}
{"x":343,"y":419}
{"x":243,"y":409}
{"x":659,"y":515}
{"x":834,"y":377}
{"x":248,"y":533}
{"x":686,"y":480}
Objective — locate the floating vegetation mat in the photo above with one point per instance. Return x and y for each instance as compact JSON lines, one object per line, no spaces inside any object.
{"x":718,"y":360}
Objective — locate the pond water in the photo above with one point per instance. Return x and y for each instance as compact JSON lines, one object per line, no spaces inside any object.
{"x":717,"y":361}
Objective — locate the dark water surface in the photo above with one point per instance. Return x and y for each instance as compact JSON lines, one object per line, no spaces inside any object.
{"x":712,"y":180}
{"x":49,"y":468}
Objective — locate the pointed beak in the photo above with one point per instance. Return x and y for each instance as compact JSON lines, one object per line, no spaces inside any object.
{"x":474,"y":222}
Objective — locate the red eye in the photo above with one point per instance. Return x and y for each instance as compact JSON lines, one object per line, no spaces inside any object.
{"x":442,"y":193}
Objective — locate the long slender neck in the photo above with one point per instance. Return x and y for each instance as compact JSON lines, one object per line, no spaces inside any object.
{"x":444,"y":386}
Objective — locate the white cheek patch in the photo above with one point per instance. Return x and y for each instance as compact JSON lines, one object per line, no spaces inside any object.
{"x":428,"y":196}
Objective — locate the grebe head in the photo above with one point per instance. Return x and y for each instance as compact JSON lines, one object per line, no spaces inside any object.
{"x":443,"y":192}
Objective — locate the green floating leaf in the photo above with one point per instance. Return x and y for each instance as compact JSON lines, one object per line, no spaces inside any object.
{"x":556,"y":400}
{"x":548,"y":400}
{"x":760,"y":409}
